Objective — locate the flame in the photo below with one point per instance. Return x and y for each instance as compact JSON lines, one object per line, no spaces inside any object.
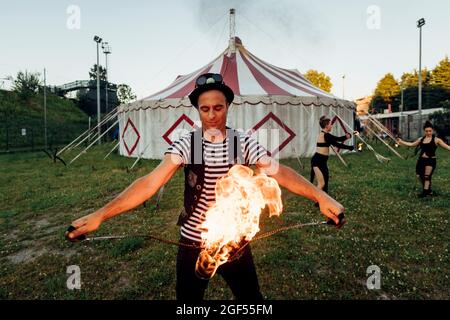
{"x":360,"y":146}
{"x":234,"y":218}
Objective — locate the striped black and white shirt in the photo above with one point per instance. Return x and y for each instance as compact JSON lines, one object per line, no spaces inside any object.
{"x":216,"y":165}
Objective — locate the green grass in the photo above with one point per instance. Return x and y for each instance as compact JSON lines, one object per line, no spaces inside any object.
{"x":388,"y":225}
{"x":65,"y":121}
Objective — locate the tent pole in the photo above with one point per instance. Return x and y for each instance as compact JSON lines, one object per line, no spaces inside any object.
{"x":387,"y":145}
{"x":232,"y":31}
{"x":88,"y":147}
{"x":94,"y":132}
{"x":377,"y":155}
{"x":381,"y":127}
{"x":140,"y":156}
{"x":73,"y":141}
{"x":114,"y":148}
{"x":339,"y":156}
{"x":79,"y":137}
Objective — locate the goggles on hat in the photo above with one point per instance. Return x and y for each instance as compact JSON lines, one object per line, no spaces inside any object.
{"x":208,"y":78}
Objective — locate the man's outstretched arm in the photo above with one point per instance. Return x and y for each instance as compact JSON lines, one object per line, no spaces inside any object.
{"x":138,"y":192}
{"x":291,"y":180}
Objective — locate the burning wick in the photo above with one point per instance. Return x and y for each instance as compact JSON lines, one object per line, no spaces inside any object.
{"x":234,"y":218}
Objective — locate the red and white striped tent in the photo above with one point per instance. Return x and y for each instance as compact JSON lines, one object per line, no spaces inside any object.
{"x":279,"y":106}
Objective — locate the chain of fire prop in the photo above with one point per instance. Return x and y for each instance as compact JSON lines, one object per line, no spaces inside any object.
{"x":233,"y":221}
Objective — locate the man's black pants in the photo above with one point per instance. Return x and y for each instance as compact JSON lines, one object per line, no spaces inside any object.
{"x":240,"y":275}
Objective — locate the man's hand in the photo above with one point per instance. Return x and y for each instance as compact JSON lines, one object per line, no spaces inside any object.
{"x":84,"y":225}
{"x":291,"y":180}
{"x":348,"y":135}
{"x":139,"y":191}
{"x":331,"y":208}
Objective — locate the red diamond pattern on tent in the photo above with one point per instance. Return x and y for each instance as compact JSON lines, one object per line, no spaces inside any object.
{"x":271,"y":116}
{"x":175,"y":125}
{"x":336,"y":118}
{"x":130,"y":126}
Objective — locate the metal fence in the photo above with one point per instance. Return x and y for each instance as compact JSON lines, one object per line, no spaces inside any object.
{"x":30,"y":135}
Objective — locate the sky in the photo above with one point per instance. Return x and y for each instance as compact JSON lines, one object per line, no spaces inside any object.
{"x":155,"y":41}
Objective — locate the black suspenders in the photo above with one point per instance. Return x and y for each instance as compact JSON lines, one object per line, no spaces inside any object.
{"x":194,"y":172}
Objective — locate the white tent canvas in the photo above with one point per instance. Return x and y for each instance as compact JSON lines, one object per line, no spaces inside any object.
{"x":280,"y":107}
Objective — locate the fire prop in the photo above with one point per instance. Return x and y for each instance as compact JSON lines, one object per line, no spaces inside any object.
{"x":234,"y":219}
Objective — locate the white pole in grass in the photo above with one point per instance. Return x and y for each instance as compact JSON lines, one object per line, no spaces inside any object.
{"x":88,"y":147}
{"x":92,"y":134}
{"x":140,"y":156}
{"x":384,"y":142}
{"x":379,"y":157}
{"x":45,"y":110}
{"x":114,"y":148}
{"x":85,"y":132}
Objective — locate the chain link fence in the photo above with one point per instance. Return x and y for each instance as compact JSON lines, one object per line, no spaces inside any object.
{"x":29,"y":135}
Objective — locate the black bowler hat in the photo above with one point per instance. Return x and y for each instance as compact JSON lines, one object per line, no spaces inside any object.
{"x":207,"y":82}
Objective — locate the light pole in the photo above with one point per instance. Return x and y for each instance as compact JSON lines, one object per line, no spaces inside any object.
{"x":402,"y":90}
{"x":106,"y":50}
{"x":420,"y":24}
{"x":98,"y":40}
{"x":343,"y":86}
{"x":401,"y":110}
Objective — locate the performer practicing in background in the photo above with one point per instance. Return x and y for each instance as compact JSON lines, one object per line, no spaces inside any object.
{"x":319,"y":168}
{"x":426,"y":164}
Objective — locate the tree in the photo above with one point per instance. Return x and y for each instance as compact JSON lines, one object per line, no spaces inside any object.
{"x":435,"y":89}
{"x":446,"y":105}
{"x":319,"y":79}
{"x":440,"y":122}
{"x":27,"y":84}
{"x":93,"y":73}
{"x":387,"y":88}
{"x":386,"y":93}
{"x":411,"y":79}
{"x":432,"y":97}
{"x":377,"y":105}
{"x":124,"y":93}
{"x":440,"y":76}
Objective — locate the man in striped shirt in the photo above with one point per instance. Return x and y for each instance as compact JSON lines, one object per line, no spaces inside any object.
{"x":206,"y":155}
{"x":215,"y":166}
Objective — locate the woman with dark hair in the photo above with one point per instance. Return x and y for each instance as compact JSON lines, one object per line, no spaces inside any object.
{"x":426,"y":164}
{"x":319,"y":166}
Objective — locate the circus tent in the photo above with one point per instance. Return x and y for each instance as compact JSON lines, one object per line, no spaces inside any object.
{"x":280,"y":107}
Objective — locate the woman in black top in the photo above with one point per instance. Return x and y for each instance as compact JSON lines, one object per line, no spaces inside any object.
{"x":426,"y":164}
{"x":319,"y":166}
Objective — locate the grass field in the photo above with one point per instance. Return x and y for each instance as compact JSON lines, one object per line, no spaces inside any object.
{"x":388,"y":226}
